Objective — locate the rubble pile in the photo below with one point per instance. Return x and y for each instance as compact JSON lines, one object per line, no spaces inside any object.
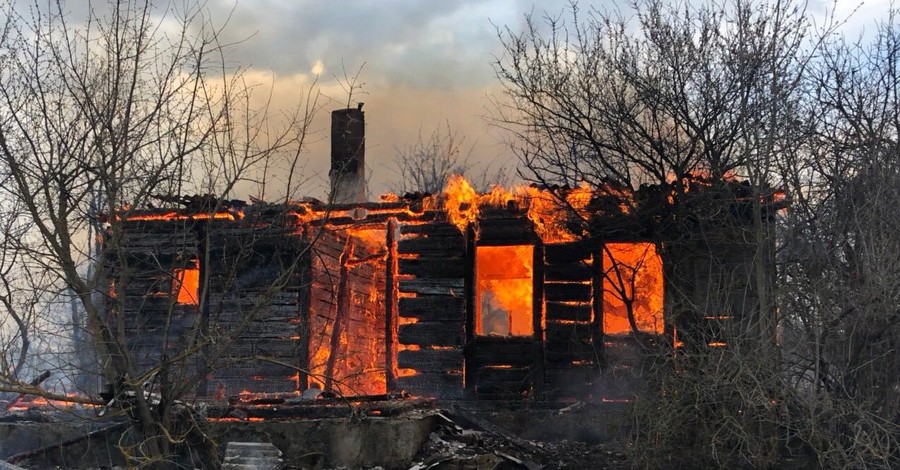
{"x":458,"y":443}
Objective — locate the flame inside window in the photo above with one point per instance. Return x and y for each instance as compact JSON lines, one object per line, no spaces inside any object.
{"x":186,"y":284}
{"x":504,"y":292}
{"x":632,"y":289}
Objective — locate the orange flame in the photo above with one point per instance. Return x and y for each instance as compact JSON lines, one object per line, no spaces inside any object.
{"x":186,"y":284}
{"x":633,"y":280}
{"x":505,"y":290}
{"x":460,"y":202}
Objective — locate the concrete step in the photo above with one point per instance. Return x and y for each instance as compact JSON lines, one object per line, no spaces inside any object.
{"x":251,"y":456}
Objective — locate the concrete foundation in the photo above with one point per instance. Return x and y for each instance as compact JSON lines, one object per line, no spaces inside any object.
{"x":366,"y":442}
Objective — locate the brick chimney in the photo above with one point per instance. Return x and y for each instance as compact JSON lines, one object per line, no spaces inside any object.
{"x":348,"y":155}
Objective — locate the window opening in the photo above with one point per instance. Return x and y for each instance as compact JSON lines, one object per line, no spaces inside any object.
{"x":504,"y":290}
{"x":632,"y":289}
{"x":186,"y":284}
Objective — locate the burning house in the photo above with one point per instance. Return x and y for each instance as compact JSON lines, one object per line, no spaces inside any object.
{"x":550,"y":293}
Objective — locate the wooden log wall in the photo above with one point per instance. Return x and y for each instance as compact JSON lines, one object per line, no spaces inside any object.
{"x":710,"y":288}
{"x":508,"y":367}
{"x":152,"y":323}
{"x":248,"y":310}
{"x":251,"y":308}
{"x":573,"y":319}
{"x":347,"y":345}
{"x":431,"y":309}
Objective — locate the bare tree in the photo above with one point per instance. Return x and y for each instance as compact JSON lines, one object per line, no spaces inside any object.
{"x":840,"y":253}
{"x":426,"y":165}
{"x":727,"y":90}
{"x":101,"y":116}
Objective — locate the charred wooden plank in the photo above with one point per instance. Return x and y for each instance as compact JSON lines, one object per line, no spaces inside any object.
{"x":432,"y":334}
{"x":429,"y":286}
{"x":432,"y":246}
{"x":432,"y":267}
{"x":568,"y":311}
{"x":569,"y":331}
{"x":431,"y":360}
{"x":434,"y":229}
{"x":520,"y":376}
{"x":506,"y":231}
{"x":433,"y":308}
{"x":576,"y":292}
{"x":434,"y":384}
{"x":571,"y":271}
{"x":567,"y":252}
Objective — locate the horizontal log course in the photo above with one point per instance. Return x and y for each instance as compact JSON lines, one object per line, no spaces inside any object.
{"x":431,"y":360}
{"x":432,"y":334}
{"x":575,"y":292}
{"x":273,"y":299}
{"x":432,"y":246}
{"x":506,"y":231}
{"x":432,"y":384}
{"x":427,"y":286}
{"x":556,"y":332}
{"x":432,"y":267}
{"x":258,"y":369}
{"x":582,"y":312}
{"x":564,"y":354}
{"x":571,"y":378}
{"x":568,"y":252}
{"x":570,"y":271}
{"x":235,"y":385}
{"x":442,"y":308}
{"x":503,"y":351}
{"x":517,"y":376}
{"x":434,"y":229}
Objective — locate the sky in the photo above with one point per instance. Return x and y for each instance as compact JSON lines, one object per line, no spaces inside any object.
{"x":423,"y":65}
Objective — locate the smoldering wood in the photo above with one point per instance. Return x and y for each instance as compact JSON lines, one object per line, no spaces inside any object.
{"x":569,"y":271}
{"x":496,"y":351}
{"x":432,"y":267}
{"x":432,"y":230}
{"x":503,"y":379}
{"x":391,"y":317}
{"x":436,"y":384}
{"x":429,"y":286}
{"x":431,"y":360}
{"x":432,"y":246}
{"x":343,"y":301}
{"x":571,"y":311}
{"x":433,"y":308}
{"x":506,"y":231}
{"x":559,"y":253}
{"x":537,"y":320}
{"x":573,"y":292}
{"x":432,"y":334}
{"x":557,"y":332}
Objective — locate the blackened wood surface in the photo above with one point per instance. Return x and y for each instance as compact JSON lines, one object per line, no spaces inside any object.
{"x":435,"y":384}
{"x":502,"y":366}
{"x":573,"y":311}
{"x":572,"y":292}
{"x":505,"y":231}
{"x":432,"y":334}
{"x":390,"y":305}
{"x":431,"y":308}
{"x":569,"y":334}
{"x":431,"y":360}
